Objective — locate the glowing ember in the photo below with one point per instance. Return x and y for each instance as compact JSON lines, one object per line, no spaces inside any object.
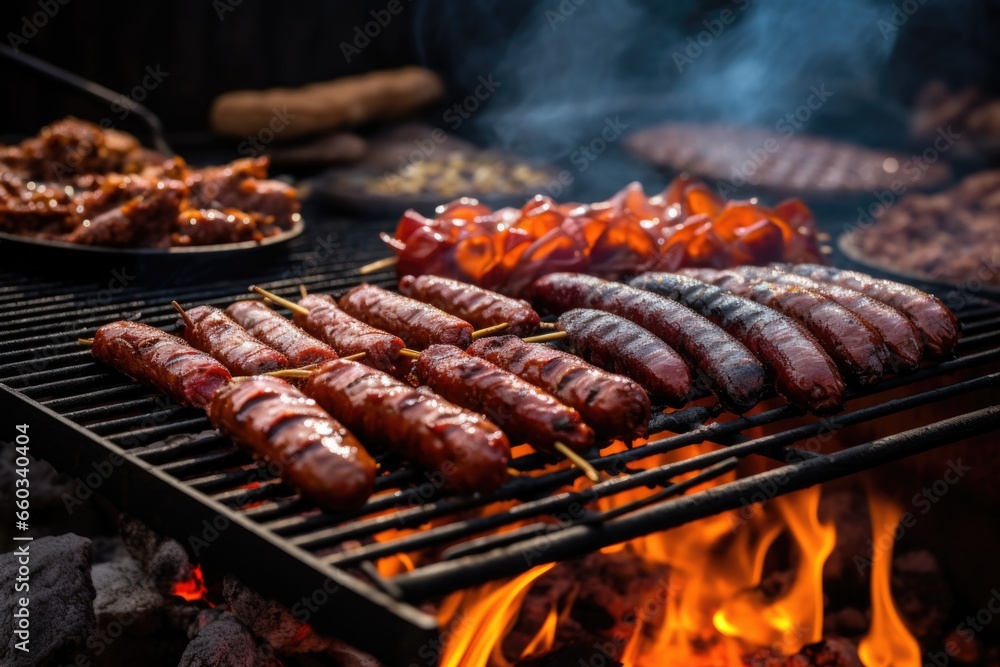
{"x":685,"y":225}
{"x":191,"y":589}
{"x":888,"y":643}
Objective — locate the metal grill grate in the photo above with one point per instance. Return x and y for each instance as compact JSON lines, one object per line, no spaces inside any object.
{"x":191,"y":483}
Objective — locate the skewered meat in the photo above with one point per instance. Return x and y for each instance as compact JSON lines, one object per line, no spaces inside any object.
{"x":524,"y":412}
{"x":277,"y":332}
{"x":857,"y":348}
{"x":419,"y":324}
{"x":623,"y":347}
{"x":613,"y":405}
{"x":212,"y":331}
{"x":347,"y":335}
{"x":210,"y":226}
{"x":469,"y":451}
{"x":277,"y":422}
{"x":937,"y":324}
{"x":157,"y":359}
{"x":735,"y":375}
{"x":479,"y":307}
{"x":800,"y":369}
{"x":899,"y":334}
{"x":145,"y":219}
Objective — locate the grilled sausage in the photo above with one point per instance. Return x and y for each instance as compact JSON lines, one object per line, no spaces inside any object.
{"x":278,"y":332}
{"x":736,"y":376}
{"x":937,"y":325}
{"x":469,"y":451}
{"x":347,"y":335}
{"x":419,"y":324}
{"x":857,"y":348}
{"x":275,"y":421}
{"x":523,"y":411}
{"x":613,"y":405}
{"x":157,"y":359}
{"x":620,"y":346}
{"x":479,"y":307}
{"x":212,"y":331}
{"x":899,"y":334}
{"x":800,"y":369}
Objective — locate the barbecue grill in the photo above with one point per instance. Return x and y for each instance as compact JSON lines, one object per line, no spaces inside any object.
{"x":163,"y":464}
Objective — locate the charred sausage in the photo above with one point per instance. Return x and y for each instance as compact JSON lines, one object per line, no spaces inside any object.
{"x":419,"y":324}
{"x":523,"y":411}
{"x":275,"y":421}
{"x":347,"y":335}
{"x":212,"y":331}
{"x":158,"y":359}
{"x":467,"y":449}
{"x":735,"y":375}
{"x":800,"y":369}
{"x":857,"y":348}
{"x":479,"y":307}
{"x":279,"y":333}
{"x":613,"y":405}
{"x":937,"y":325}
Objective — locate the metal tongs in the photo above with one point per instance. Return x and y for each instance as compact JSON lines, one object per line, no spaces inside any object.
{"x":96,"y":90}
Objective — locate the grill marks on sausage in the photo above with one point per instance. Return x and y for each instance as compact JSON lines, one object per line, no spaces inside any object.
{"x":279,"y":333}
{"x":475,"y":305}
{"x":418,"y":324}
{"x":275,"y":421}
{"x":735,"y":375}
{"x":856,"y":347}
{"x":160,"y":360}
{"x":937,"y":325}
{"x":466,"y":448}
{"x":799,"y":367}
{"x":523,"y":411}
{"x":613,"y":405}
{"x":348,"y":335}
{"x":214,"y":332}
{"x":620,"y":346}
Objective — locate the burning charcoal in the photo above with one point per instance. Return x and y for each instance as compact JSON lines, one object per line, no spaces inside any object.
{"x":271,"y":621}
{"x":923,"y":597}
{"x":227,"y":643}
{"x":164,"y":559}
{"x":847,"y":569}
{"x":572,"y":655}
{"x":61,"y":600}
{"x":827,"y":653}
{"x":128,"y":596}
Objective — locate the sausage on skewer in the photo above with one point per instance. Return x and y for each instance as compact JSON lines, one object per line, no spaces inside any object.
{"x":801,"y":370}
{"x":212,"y":331}
{"x":278,"y":332}
{"x":524,"y":412}
{"x":277,"y":422}
{"x":158,"y":359}
{"x":468,"y":450}
{"x":418,"y":324}
{"x":613,"y":405}
{"x":477,"y":306}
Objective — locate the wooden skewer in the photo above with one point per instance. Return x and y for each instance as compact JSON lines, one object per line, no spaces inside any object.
{"x":379,"y":265}
{"x":290,"y":305}
{"x":407,"y":352}
{"x":544,"y":338}
{"x":184,"y":315}
{"x":580,"y":462}
{"x":476,"y":335}
{"x":85,"y":341}
{"x":305,"y":371}
{"x":303,"y":291}
{"x":548,"y":325}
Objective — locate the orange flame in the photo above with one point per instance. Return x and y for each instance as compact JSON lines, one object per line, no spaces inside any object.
{"x":193,"y":588}
{"x":888,"y":642}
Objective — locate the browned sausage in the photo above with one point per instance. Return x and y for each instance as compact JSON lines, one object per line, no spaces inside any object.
{"x":211,"y":330}
{"x":800,"y":369}
{"x":272,"y":329}
{"x":419,"y":324}
{"x":479,"y":307}
{"x":469,"y":451}
{"x":613,"y":405}
{"x":277,"y":422}
{"x":523,"y":411}
{"x":735,"y":375}
{"x":157,"y":359}
{"x":347,"y":335}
